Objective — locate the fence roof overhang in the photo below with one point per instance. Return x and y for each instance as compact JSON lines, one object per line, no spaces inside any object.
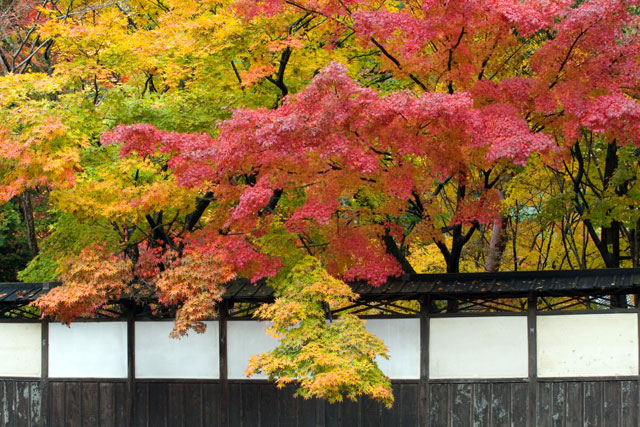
{"x":415,"y":286}
{"x":477,"y":285}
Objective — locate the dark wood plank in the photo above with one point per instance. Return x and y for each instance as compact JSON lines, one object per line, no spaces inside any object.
{"x":593,"y":402}
{"x":320,"y":413}
{"x":90,"y":404}
{"x":331,"y":414}
{"x":544,"y":407}
{"x":391,"y":416}
{"x":141,"y":405}
{"x":558,"y":404}
{"x":350,"y":411}
{"x":73,"y":404}
{"x":481,"y":405}
{"x":175,"y":405}
{"x":307,"y":413}
{"x":251,"y":405}
{"x":288,"y":407}
{"x":158,"y":404}
{"x":210,"y":404}
{"x":193,"y":405}
{"x":575,"y":401}
{"x":122,"y":394}
{"x":423,"y":401}
{"x":22,"y":403}
{"x":519,"y":404}
{"x":438,"y":404}
{"x":371,"y":413}
{"x":35,"y":411}
{"x":461,"y":404}
{"x":410,"y":410}
{"x":500,"y":404}
{"x":612,"y":404}
{"x":10,"y":398}
{"x":235,"y":405}
{"x":56,"y":403}
{"x":107,"y":407}
{"x":630,"y":403}
{"x":4,"y":404}
{"x":268,"y":406}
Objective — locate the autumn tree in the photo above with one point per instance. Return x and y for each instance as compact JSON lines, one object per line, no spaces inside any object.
{"x":310,"y":144}
{"x":22,"y":50}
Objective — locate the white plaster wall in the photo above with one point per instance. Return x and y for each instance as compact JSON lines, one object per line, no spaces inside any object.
{"x":402,"y":337}
{"x":88,"y":350}
{"x":604,"y":344}
{"x":20,"y":349}
{"x":478,"y":347}
{"x":244,"y":339}
{"x":192,"y":356}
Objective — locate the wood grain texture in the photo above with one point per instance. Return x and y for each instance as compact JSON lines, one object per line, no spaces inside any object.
{"x":597,"y":403}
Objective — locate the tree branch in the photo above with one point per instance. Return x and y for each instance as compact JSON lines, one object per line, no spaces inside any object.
{"x":201,"y":205}
{"x":386,"y":53}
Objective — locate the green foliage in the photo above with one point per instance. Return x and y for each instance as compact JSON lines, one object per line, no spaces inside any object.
{"x":14,"y":252}
{"x":330,"y":359}
{"x":68,"y":236}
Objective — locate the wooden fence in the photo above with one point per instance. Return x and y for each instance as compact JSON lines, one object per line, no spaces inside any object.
{"x":493,"y":369}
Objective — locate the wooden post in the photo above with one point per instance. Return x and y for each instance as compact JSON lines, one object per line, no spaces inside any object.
{"x":131,"y":362}
{"x":423,"y":396}
{"x":44,"y":374}
{"x":532,"y":334}
{"x":637,"y":310}
{"x":224,"y":383}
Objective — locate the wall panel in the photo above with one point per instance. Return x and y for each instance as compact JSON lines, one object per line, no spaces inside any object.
{"x":478,"y":347}
{"x":597,"y":345}
{"x":244,"y":339}
{"x":88,"y":350}
{"x":20,"y":349}
{"x":190,"y":357}
{"x":402,"y":337}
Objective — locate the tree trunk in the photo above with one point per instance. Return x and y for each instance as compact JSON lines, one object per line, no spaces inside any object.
{"x":497,"y":245}
{"x":610,"y":236}
{"x":452,"y":258}
{"x":635,"y":245}
{"x":29,"y":223}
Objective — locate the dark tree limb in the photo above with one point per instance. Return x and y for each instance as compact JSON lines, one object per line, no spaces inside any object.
{"x":27,"y":212}
{"x":157,"y":229}
{"x":278,"y":79}
{"x":386,"y":53}
{"x":201,"y":205}
{"x":393,"y":250}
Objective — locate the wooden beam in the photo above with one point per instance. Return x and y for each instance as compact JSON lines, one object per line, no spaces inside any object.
{"x":224,"y":382}
{"x":44,"y":374}
{"x":532,"y":334}
{"x":423,"y":391}
{"x":131,"y":363}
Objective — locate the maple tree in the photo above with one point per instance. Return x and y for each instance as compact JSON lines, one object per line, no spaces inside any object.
{"x":313,"y":143}
{"x":21,"y":51}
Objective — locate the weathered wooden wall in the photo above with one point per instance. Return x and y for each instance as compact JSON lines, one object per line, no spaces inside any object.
{"x":588,"y":403}
{"x":259,"y":404}
{"x":86,"y":403}
{"x":21,"y":403}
